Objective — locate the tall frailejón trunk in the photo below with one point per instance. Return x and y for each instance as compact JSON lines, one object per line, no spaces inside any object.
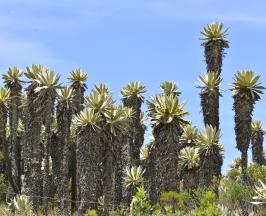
{"x":119,"y":166}
{"x":49,"y":110}
{"x":214,"y":51}
{"x":64,"y":118}
{"x":243,"y":117}
{"x":136,"y":130}
{"x":78,"y":101}
{"x":210,"y":107}
{"x":257,"y":146}
{"x":190,"y":179}
{"x":150,"y":176}
{"x":32,"y":149}
{"x":108,"y":172}
{"x":88,"y":165}
{"x":166,"y":152}
{"x":210,"y":168}
{"x":14,"y":149}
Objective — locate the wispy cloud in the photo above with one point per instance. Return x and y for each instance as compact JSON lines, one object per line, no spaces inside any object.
{"x":25,"y":25}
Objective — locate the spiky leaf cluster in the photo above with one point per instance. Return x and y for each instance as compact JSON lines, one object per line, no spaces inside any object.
{"x":133,"y":176}
{"x":65,"y":94}
{"x":117,"y":118}
{"x":13,"y":76}
{"x":166,"y":108}
{"x":208,"y":141}
{"x":78,"y":77}
{"x":101,"y":88}
{"x":99,"y":102}
{"x":47,"y":79}
{"x":33,"y":71}
{"x":209,"y":82}
{"x":88,"y":118}
{"x":190,"y":157}
{"x":4,"y":95}
{"x":236,"y":163}
{"x":247,"y":85}
{"x":257,"y":126}
{"x":189,"y":134}
{"x":215,"y":32}
{"x":170,"y":88}
{"x":133,"y":89}
{"x":260,"y":190}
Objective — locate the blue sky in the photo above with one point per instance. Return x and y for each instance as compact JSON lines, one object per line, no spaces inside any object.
{"x":118,"y":41}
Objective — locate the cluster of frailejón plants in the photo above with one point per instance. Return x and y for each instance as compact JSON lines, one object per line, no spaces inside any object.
{"x":73,"y":151}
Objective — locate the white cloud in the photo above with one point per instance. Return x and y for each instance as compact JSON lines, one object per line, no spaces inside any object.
{"x":23,"y":52}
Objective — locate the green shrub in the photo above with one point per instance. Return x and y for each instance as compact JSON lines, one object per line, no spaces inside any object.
{"x":92,"y":213}
{"x":235,"y":193}
{"x":208,"y":204}
{"x":177,"y":201}
{"x":256,"y":172}
{"x":140,"y":205}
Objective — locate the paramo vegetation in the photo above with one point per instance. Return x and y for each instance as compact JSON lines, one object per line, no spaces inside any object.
{"x":63,"y":152}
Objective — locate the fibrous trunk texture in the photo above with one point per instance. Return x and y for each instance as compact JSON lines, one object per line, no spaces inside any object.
{"x":119,"y":167}
{"x":257,"y":147}
{"x":32,"y":150}
{"x":210,"y":107}
{"x":78,"y":101}
{"x":64,"y":117}
{"x":150,"y":174}
{"x":210,"y":168}
{"x":49,"y":110}
{"x":214,"y":56}
{"x":165,"y":155}
{"x":88,"y":166}
{"x":135,"y":134}
{"x":190,"y":179}
{"x":14,"y":149}
{"x":4,"y":168}
{"x":243,"y":107}
{"x":108,"y":172}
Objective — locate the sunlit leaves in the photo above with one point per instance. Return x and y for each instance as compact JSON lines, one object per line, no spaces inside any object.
{"x":215,"y":31}
{"x":170,"y":88}
{"x":65,"y":93}
{"x":133,"y":176}
{"x":247,"y":84}
{"x":190,"y":157}
{"x":166,"y":108}
{"x":13,"y":76}
{"x":209,"y":81}
{"x":133,"y":89}
{"x":88,"y":118}
{"x":208,"y":141}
